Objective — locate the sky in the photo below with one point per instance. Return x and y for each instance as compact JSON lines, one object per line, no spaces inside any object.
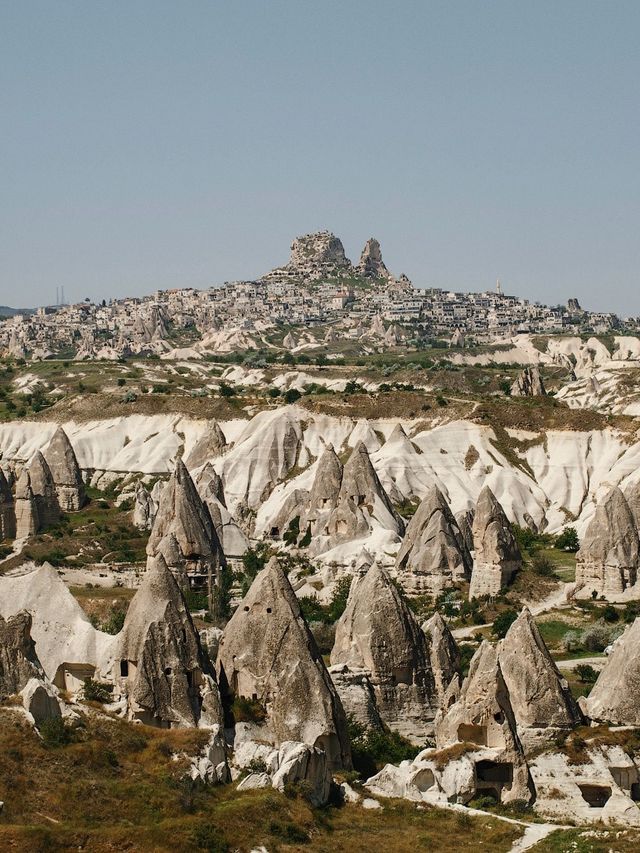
{"x":149,"y":144}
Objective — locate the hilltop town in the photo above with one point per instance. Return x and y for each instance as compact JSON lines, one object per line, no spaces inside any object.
{"x":316,"y":300}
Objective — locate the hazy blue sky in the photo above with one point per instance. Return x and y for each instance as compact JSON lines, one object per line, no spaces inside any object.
{"x":163,"y":144}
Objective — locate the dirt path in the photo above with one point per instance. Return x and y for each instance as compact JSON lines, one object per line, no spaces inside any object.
{"x":555,"y":601}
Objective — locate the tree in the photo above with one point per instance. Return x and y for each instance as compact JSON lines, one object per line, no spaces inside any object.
{"x":503,"y":622}
{"x":292,"y":395}
{"x":586,"y":673}
{"x":568,"y":540}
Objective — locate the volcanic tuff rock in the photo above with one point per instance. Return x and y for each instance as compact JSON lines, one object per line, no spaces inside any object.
{"x":65,"y":639}
{"x":432,"y":556}
{"x":65,"y":471}
{"x":632,"y":494}
{"x":483,"y":715}
{"x":361,"y":498}
{"x":44,"y":490}
{"x":18,"y":659}
{"x":40,"y":701}
{"x":528,"y":384}
{"x":607,"y":561}
{"x":540,"y":697}
{"x":317,"y":253}
{"x":267,"y":653}
{"x":496,"y":552}
{"x":379,"y":634}
{"x":7,"y":510}
{"x":371,"y":264}
{"x":464,"y":520}
{"x":184,"y":534}
{"x":211,"y":444}
{"x":357,"y":696}
{"x":144,"y":508}
{"x":616,"y":694}
{"x":160,"y":665}
{"x":443,"y":653}
{"x":234,"y":541}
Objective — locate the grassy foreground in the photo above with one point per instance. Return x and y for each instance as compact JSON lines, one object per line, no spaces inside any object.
{"x":119,"y":787}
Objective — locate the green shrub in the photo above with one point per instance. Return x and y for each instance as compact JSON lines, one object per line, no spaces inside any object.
{"x":207,"y":837}
{"x":292,"y":395}
{"x":248,"y":710}
{"x":568,"y":540}
{"x":503,"y":622}
{"x":288,"y":831}
{"x":586,"y":673}
{"x":55,"y":733}
{"x":372,"y":749}
{"x":290,"y":536}
{"x":95,"y":691}
{"x":542,"y":566}
{"x":114,"y":623}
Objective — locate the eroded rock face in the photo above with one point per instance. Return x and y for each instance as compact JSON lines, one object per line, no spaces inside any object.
{"x":361,"y":499}
{"x":632,"y":494}
{"x":232,"y":538}
{"x":18,"y":660}
{"x":608,"y":559}
{"x":65,"y":471}
{"x":464,"y":520}
{"x":371,"y":264}
{"x":540,"y":697}
{"x":317,"y":252}
{"x":432,"y":556}
{"x":443,"y":653}
{"x":615,"y":697}
{"x":36,"y":504}
{"x":357,"y":696}
{"x":161,"y":668}
{"x":44,"y":491}
{"x":213,"y":443}
{"x":528,"y":384}
{"x":184,"y":534}
{"x":7,"y":510}
{"x":496,"y":553}
{"x":379,"y":634}
{"x":483,"y":717}
{"x":40,"y":701}
{"x":267,"y":653}
{"x":144,"y":509}
{"x":27,"y":519}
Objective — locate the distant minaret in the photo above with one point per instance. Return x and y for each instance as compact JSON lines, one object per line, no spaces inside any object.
{"x":498,"y":288}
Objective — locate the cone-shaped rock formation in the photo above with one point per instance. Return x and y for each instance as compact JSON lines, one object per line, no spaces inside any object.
{"x":607,"y":561}
{"x":540,"y":697}
{"x":65,"y":471}
{"x":615,"y":697}
{"x":443,"y":652}
{"x":432,"y":556}
{"x":378,"y":633}
{"x":267,"y":654}
{"x":184,"y":534}
{"x":496,"y":552}
{"x":160,"y":665}
{"x":7,"y":510}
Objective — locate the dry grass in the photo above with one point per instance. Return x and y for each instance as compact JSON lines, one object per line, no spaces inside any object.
{"x":118,"y":788}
